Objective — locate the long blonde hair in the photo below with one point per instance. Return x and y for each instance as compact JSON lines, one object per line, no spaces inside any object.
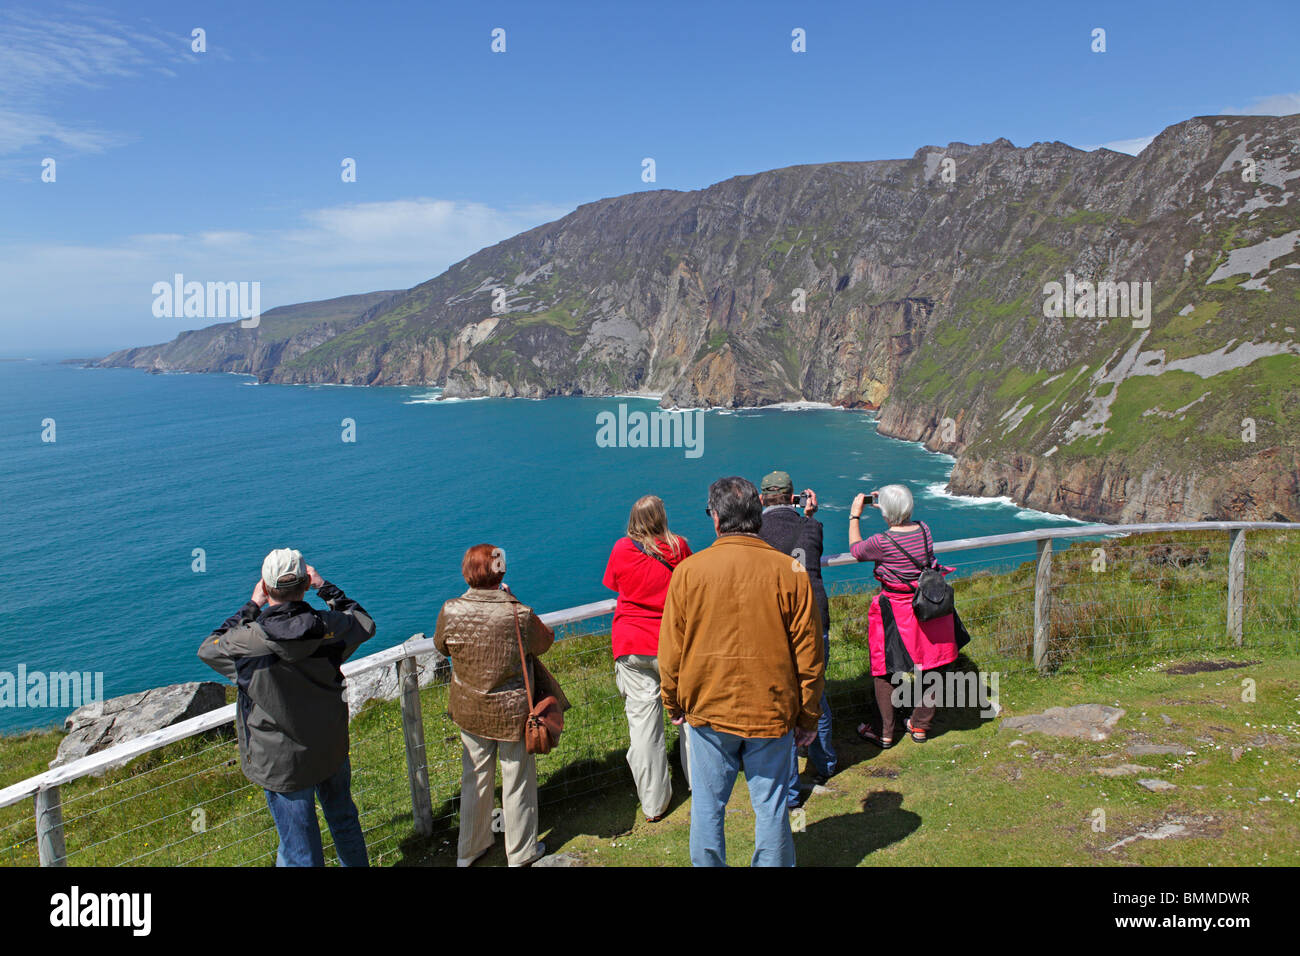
{"x":647,"y":525}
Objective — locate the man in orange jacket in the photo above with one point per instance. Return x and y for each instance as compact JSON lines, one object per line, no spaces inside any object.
{"x":741,"y":661}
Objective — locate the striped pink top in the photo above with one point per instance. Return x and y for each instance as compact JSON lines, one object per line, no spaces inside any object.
{"x":891,"y":566}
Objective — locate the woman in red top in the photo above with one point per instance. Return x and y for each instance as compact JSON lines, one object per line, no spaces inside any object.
{"x":639,"y":569}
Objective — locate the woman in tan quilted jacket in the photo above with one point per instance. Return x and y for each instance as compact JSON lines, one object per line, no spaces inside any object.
{"x":489,"y":702}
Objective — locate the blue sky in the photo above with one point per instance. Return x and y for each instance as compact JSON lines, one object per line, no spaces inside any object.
{"x":225,"y":165}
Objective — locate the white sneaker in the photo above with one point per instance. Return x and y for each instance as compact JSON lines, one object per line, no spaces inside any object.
{"x":460,"y":861}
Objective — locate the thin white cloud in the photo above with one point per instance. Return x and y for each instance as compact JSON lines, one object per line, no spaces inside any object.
{"x":1279,"y":104}
{"x":231,"y":238}
{"x":100,"y":296}
{"x":46,"y":52}
{"x":1131,"y":146}
{"x":46,"y":55}
{"x":19,"y":130}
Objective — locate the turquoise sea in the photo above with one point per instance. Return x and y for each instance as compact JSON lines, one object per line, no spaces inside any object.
{"x":101,"y":526}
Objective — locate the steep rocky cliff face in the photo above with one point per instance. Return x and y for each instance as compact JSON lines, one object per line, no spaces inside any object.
{"x":920,"y":287}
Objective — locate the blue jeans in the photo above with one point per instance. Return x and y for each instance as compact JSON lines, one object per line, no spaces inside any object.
{"x":821,"y":752}
{"x":294,"y":814}
{"x":716,"y":757}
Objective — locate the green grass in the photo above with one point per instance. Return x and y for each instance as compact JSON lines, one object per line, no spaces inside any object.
{"x":969,"y":797}
{"x":1260,"y":391}
{"x":565,"y":316}
{"x":1016,"y":383}
{"x":717,"y":339}
{"x":965,"y":797}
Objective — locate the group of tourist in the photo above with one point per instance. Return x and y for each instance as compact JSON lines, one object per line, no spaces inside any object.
{"x":731,"y":642}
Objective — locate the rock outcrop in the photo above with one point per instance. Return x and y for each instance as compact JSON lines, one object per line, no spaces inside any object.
{"x":98,"y":726}
{"x":382,"y":684}
{"x":1082,"y":721}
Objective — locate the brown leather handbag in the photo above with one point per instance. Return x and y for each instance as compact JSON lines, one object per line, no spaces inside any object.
{"x":545,"y":720}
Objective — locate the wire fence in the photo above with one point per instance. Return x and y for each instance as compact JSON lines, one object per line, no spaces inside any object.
{"x":1108,"y":600}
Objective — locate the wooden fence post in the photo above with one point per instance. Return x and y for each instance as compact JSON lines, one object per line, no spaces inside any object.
{"x":417,"y":764}
{"x":1043,"y":604}
{"x":1236,"y":583}
{"x":49,"y":827}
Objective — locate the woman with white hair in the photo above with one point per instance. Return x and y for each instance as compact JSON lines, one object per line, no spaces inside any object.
{"x":892,"y":627}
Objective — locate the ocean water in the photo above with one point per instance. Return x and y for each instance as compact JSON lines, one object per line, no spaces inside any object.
{"x":100,"y":527}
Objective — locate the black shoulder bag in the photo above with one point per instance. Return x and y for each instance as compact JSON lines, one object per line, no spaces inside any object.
{"x":931,"y":595}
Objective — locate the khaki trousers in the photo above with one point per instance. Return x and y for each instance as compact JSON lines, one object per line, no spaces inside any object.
{"x":637,"y":677}
{"x":478,"y":821}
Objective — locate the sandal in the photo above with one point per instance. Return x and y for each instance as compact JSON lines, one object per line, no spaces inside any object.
{"x":917,"y":735}
{"x":871,"y":737}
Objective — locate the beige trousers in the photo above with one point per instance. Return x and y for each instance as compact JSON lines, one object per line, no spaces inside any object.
{"x":637,"y":677}
{"x":478,"y":819}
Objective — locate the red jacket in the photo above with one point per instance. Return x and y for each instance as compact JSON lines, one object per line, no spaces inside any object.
{"x":641,"y":583}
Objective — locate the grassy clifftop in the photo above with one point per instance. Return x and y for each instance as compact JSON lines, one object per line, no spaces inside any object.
{"x":968,"y":796}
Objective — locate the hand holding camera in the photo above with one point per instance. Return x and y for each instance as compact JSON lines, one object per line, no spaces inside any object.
{"x":809,"y":501}
{"x":861,"y":501}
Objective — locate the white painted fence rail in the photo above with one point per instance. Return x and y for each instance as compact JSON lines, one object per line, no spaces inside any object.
{"x":44,"y":787}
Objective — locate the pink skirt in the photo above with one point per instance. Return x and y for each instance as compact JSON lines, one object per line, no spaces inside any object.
{"x":929,"y":643}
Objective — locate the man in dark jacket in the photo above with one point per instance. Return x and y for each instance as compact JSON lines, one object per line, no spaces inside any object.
{"x":285,"y":658}
{"x":800,"y":536}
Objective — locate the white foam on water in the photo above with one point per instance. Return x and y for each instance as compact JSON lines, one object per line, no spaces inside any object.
{"x":439,"y":400}
{"x":918,"y":444}
{"x":939,"y":489}
{"x":1029,"y":514}
{"x":798,"y":406}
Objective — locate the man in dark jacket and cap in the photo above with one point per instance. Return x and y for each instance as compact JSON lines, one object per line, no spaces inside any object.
{"x":285,"y":658}
{"x":800,"y":536}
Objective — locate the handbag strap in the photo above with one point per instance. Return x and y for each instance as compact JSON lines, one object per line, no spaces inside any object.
{"x":912,"y":586}
{"x":523,"y":659}
{"x":929,"y":555}
{"x":650,"y":554}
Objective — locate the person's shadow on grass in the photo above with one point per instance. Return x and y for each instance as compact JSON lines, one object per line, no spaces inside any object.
{"x":966,"y":695}
{"x":849,"y":838}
